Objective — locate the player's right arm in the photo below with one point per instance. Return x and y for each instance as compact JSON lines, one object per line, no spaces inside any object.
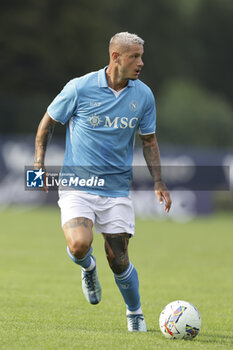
{"x":43,"y":136}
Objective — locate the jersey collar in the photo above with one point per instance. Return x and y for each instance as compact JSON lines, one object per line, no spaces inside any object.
{"x":102,"y":80}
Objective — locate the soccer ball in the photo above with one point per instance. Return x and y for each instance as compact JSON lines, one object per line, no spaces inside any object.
{"x":180,"y":320}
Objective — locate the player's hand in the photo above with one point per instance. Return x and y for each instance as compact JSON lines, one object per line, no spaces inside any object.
{"x":38,"y":166}
{"x":163,"y":195}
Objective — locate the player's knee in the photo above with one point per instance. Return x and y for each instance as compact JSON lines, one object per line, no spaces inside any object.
{"x":119,"y":264}
{"x":116,"y":249}
{"x":79,"y":248}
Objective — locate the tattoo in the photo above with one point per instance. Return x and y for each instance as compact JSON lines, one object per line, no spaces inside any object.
{"x":116,"y":248}
{"x":75,"y":222}
{"x":109,"y":253}
{"x":151,"y":154}
{"x":43,"y":137}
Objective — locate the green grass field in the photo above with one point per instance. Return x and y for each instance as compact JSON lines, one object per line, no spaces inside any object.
{"x":42,"y":305}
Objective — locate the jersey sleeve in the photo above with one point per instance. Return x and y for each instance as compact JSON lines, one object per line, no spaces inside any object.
{"x":148,"y":122}
{"x":65,"y":103}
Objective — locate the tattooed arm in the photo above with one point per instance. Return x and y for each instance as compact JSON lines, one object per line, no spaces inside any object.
{"x":151,"y":154}
{"x":43,"y":136}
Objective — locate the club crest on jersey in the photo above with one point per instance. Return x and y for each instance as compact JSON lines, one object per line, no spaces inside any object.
{"x":95,"y":120}
{"x":133,"y":106}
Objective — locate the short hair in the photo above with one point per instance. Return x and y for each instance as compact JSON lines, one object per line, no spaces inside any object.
{"x":126,"y":39}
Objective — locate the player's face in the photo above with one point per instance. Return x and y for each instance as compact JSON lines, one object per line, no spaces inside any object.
{"x":130,"y":62}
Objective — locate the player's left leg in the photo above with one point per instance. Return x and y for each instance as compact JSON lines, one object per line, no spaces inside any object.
{"x":126,"y":277}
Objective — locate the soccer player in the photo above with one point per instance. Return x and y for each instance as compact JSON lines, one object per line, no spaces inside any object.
{"x":102,"y":111}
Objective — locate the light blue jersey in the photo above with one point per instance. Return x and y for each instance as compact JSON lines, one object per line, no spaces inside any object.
{"x":101,"y":129}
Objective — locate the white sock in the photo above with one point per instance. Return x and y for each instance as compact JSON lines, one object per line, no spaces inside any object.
{"x":91,"y":266}
{"x":136,"y":312}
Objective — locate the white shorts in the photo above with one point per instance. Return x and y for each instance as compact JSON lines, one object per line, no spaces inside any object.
{"x":108,"y":214}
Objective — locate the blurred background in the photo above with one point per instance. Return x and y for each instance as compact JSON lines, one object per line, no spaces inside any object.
{"x":188,"y":65}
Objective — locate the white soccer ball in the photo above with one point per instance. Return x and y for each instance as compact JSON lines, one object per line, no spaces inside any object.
{"x":180,"y":320}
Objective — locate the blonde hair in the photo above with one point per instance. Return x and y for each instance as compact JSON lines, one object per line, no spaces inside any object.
{"x":126,"y":39}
